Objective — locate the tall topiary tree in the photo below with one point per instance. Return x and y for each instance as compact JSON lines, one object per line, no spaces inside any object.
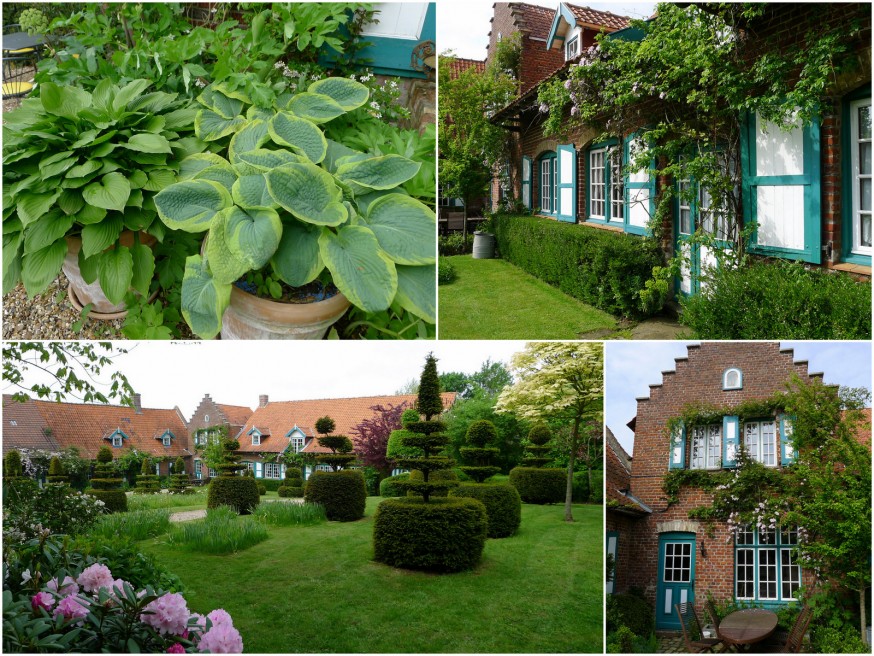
{"x":440,"y":534}
{"x":56,"y":472}
{"x":342,"y":491}
{"x":147,"y":481}
{"x":106,"y":484}
{"x":536,"y":483}
{"x":229,"y":488}
{"x":12,"y":468}
{"x":179,"y":479}
{"x":478,"y":456}
{"x":17,"y":487}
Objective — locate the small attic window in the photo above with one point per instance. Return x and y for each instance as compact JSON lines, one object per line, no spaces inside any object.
{"x":256,"y":439}
{"x":116,"y":440}
{"x":12,"y":422}
{"x":165,"y":440}
{"x":572,"y":49}
{"x":205,"y":418}
{"x":732,"y":379}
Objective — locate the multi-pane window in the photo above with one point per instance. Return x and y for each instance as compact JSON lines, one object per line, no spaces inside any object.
{"x":706,"y":447}
{"x":297,"y":444}
{"x":572,"y":49}
{"x":212,"y":472}
{"x":765,"y":567}
{"x":198,"y":469}
{"x":116,"y":440}
{"x":256,"y":439}
{"x":272,"y":470}
{"x":165,"y":440}
{"x":760,"y":440}
{"x":617,"y":188}
{"x":714,"y":220}
{"x":860,"y":125}
{"x":678,"y":562}
{"x":547,"y":184}
{"x":597,"y":183}
{"x":685,"y":208}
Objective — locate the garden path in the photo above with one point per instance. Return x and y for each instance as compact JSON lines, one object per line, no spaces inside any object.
{"x":189,"y":515}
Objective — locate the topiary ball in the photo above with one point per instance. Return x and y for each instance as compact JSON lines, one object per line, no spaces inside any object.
{"x":262,"y":489}
{"x":343,"y":494}
{"x":481,"y":432}
{"x":325,"y":425}
{"x":438,"y":475}
{"x":540,"y":486}
{"x":444,"y":535}
{"x":238,"y":492}
{"x":409,"y":415}
{"x":503,"y":506}
{"x":539,"y":434}
{"x":388,"y":487}
{"x":104,"y":455}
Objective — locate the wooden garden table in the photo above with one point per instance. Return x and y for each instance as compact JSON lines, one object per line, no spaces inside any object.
{"x":748,"y":626}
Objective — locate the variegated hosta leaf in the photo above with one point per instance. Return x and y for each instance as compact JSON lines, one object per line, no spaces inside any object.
{"x":220,"y":101}
{"x":192,"y":164}
{"x":249,"y":137}
{"x":347,"y":93}
{"x":302,"y":135}
{"x":223,"y":264}
{"x":253,"y":235}
{"x":192,"y":205}
{"x":263,"y":160}
{"x":406,"y":229}
{"x":309,"y":193}
{"x":417,"y":293}
{"x":250,"y":192}
{"x":110,"y":193}
{"x":315,"y":107}
{"x":204,"y":299}
{"x":336,"y":151}
{"x":224,"y":175}
{"x":255,"y":112}
{"x":385,"y":172}
{"x":297,"y":260}
{"x":210,"y":126}
{"x":158,"y":179}
{"x":359,"y":268}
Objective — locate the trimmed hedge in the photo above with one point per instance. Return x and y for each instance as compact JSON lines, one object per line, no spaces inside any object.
{"x":286,"y":491}
{"x":238,"y":492}
{"x":503,"y":506}
{"x":443,"y":535}
{"x":115,"y":500}
{"x":599,"y":267}
{"x":387,"y":487}
{"x":540,"y":486}
{"x":596,"y":494}
{"x":272,"y":484}
{"x":435,"y":476}
{"x":780,"y":300}
{"x":342,"y":493}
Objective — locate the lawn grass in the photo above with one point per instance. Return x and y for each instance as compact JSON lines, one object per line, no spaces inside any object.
{"x":317,"y":589}
{"x":492,"y":299}
{"x":177,"y":502}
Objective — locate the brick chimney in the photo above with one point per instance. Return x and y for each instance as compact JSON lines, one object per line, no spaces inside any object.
{"x":138,"y":404}
{"x":262,"y":401}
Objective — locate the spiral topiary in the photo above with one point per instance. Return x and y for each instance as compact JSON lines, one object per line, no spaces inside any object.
{"x":56,"y":472}
{"x":147,"y":481}
{"x":106,"y":484}
{"x":478,"y":456}
{"x":179,"y":479}
{"x":293,"y":483}
{"x":229,"y":488}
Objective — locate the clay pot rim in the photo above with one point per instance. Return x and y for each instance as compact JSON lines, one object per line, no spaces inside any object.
{"x":294,"y":313}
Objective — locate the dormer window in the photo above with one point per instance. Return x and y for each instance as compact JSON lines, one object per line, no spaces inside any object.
{"x":572,"y":48}
{"x":732,"y":379}
{"x":297,"y":444}
{"x":165,"y":440}
{"x":256,"y":439}
{"x":116,"y":440}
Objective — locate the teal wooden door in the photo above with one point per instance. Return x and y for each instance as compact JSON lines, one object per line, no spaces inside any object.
{"x":676,"y":582}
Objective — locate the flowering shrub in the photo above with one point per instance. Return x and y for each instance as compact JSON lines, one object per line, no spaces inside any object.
{"x":54,"y":508}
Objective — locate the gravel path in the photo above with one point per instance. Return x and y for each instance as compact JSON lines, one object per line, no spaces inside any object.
{"x":188,"y":515}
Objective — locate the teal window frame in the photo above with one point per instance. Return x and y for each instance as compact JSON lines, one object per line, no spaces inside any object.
{"x":847,"y":218}
{"x":779,"y":545}
{"x":117,"y":433}
{"x":628,"y":187}
{"x":608,"y":198}
{"x":551,"y":157}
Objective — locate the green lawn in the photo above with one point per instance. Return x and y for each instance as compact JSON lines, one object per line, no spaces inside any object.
{"x":317,"y":589}
{"x":492,"y":299}
{"x":177,"y":502}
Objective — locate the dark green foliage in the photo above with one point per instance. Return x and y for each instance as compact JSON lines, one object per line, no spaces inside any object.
{"x":632,"y":611}
{"x":409,"y":415}
{"x":443,"y":535}
{"x":56,"y":472}
{"x":539,"y":485}
{"x":604,"y":269}
{"x":478,"y":457}
{"x":104,"y":455}
{"x":238,"y":492}
{"x":292,"y":486}
{"x":262,"y":489}
{"x":293,"y":492}
{"x":539,"y":434}
{"x":325,"y":425}
{"x":12,"y":464}
{"x":179,"y":478}
{"x":445,"y":272}
{"x":596,"y":493}
{"x":106,"y":484}
{"x":271,"y":484}
{"x":581,"y":487}
{"x":147,"y":481}
{"x":387,"y":487}
{"x":503,"y":506}
{"x":395,"y":449}
{"x":343,"y":494}
{"x":538,"y":446}
{"x":454,"y":244}
{"x":780,"y":301}
{"x":438,"y":475}
{"x":481,"y":433}
{"x":115,"y":500}
{"x":429,"y":402}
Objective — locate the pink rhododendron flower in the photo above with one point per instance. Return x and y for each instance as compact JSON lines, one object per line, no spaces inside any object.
{"x":42,"y":600}
{"x":221,"y":639}
{"x":95,"y":577}
{"x":220,"y":617}
{"x":168,"y":614}
{"x":72,"y":607}
{"x":176,"y":649}
{"x":68,"y":587}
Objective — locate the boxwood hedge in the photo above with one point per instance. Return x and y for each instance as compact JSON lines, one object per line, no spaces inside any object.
{"x":343,"y":494}
{"x":238,"y":492}
{"x":536,"y":485}
{"x":387,"y":487}
{"x":503,"y":506}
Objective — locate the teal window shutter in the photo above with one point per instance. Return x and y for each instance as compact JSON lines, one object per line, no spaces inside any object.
{"x":730,"y":440}
{"x":781,"y":188}
{"x":788,"y":454}
{"x":678,"y":448}
{"x":526,"y":181}
{"x":566,"y":173}
{"x":640,"y":191}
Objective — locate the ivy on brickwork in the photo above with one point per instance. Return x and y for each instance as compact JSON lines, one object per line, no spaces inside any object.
{"x":703,"y":414}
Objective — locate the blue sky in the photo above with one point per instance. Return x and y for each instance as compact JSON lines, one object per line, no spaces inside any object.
{"x":631,"y":367}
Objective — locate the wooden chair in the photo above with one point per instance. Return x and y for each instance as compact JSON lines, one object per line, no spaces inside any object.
{"x":692,"y":634}
{"x":796,"y":635}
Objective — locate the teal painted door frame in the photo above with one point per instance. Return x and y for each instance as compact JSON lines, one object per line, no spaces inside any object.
{"x":676,"y":577}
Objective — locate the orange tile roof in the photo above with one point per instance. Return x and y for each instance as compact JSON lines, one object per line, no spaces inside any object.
{"x":85,"y":426}
{"x":457,"y":66}
{"x":593,"y":17}
{"x":276,"y":419}
{"x":24,"y":427}
{"x":534,"y":20}
{"x":237,"y":415}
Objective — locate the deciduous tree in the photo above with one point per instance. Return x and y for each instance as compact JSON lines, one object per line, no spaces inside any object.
{"x":371,"y":436}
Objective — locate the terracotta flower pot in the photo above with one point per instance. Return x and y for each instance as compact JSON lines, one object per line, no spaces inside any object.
{"x":82,"y":293}
{"x":250,"y":317}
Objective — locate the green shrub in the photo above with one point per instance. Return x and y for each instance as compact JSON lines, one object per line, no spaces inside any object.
{"x":439,"y":475}
{"x":395,"y":448}
{"x":831,"y":640}
{"x":630,"y":611}
{"x":271,"y":484}
{"x":387,"y":487}
{"x":780,"y":301}
{"x":454,"y":244}
{"x":290,"y":514}
{"x":596,"y":493}
{"x":126,"y":561}
{"x":445,"y":272}
{"x":56,"y":472}
{"x":536,"y":485}
{"x":238,"y":492}
{"x":222,"y":532}
{"x":601,"y":268}
{"x":286,"y":492}
{"x":135,"y":525}
{"x":115,"y":500}
{"x":342,"y":493}
{"x":147,"y":481}
{"x":443,"y":535}
{"x":581,"y":487}
{"x":621,"y":641}
{"x":262,"y":489}
{"x":503,"y":506}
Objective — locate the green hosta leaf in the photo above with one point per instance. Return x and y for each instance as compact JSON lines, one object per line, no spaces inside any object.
{"x":70,"y":201}
{"x":159,"y":179}
{"x":187,"y":146}
{"x":191,"y":205}
{"x":347,"y":93}
{"x":89,"y":267}
{"x":180,"y":118}
{"x":255,"y":112}
{"x":221,"y":101}
{"x":315,"y":107}
{"x":309,"y":193}
{"x":100,"y":236}
{"x":226,"y":177}
{"x":143,"y":268}
{"x":297,"y":260}
{"x":335,"y":152}
{"x":57,"y":164}
{"x":84,"y":169}
{"x":250,"y":192}
{"x":40,"y":268}
{"x":137,"y":179}
{"x":66,"y":101}
{"x":11,"y":261}
{"x":304,"y":136}
{"x":204,"y":300}
{"x":101,"y":97}
{"x":111,"y":193}
{"x":152,"y":103}
{"x":90,"y":214}
{"x":128,"y":93}
{"x":154,"y":124}
{"x":406,"y":229}
{"x":46,"y":231}
{"x":417,"y":293}
{"x":379,"y":172}
{"x":225,"y":267}
{"x":253,"y":235}
{"x":115,"y":273}
{"x":210,"y":126}
{"x":148,"y":143}
{"x":251,"y":136}
{"x":192,"y":164}
{"x":31,"y":207}
{"x":263,"y":160}
{"x":360,"y":270}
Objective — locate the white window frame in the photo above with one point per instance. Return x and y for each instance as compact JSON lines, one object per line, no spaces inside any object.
{"x":740,"y":379}
{"x":297,"y":443}
{"x":272,"y":470}
{"x":117,"y":440}
{"x":572,"y":48}
{"x":759,"y":441}
{"x":617,"y":186}
{"x":165,"y":440}
{"x":779,"y":545}
{"x":706,"y":447}
{"x":324,"y":468}
{"x":597,"y":202}
{"x":857,"y":177}
{"x":547,"y":173}
{"x":158,"y":468}
{"x":685,"y":210}
{"x":212,"y":473}
{"x":205,"y":418}
{"x":256,"y":439}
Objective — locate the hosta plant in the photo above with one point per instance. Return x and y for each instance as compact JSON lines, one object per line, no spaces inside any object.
{"x":275,"y":194}
{"x":89,"y":164}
